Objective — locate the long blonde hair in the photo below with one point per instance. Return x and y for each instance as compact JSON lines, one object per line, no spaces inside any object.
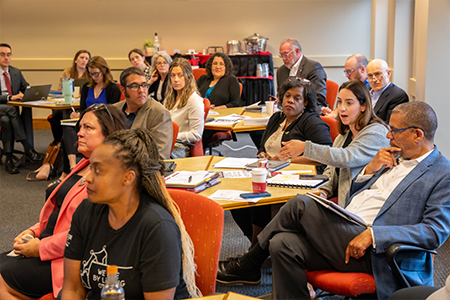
{"x":137,"y":150}
{"x":170,"y":99}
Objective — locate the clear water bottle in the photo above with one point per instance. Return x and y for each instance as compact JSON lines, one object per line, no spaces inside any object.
{"x":112,"y":290}
{"x":156,"y":42}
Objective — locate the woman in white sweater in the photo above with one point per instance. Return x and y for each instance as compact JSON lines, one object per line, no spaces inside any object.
{"x":185,"y":106}
{"x":362,"y":134}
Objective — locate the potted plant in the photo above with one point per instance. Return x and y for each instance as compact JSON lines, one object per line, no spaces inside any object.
{"x":149,"y":48}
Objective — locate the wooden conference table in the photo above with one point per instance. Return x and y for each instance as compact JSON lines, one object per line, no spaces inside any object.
{"x":206,"y":163}
{"x":237,"y":127}
{"x":27,"y":113}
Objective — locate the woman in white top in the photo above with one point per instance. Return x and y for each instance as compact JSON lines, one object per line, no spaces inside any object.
{"x":185,"y":106}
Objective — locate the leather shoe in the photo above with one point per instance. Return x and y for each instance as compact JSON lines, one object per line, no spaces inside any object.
{"x":231,"y":271}
{"x":33,"y":155}
{"x":10,"y":167}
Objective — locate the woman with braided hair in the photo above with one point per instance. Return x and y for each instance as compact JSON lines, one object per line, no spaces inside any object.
{"x":129,"y":220}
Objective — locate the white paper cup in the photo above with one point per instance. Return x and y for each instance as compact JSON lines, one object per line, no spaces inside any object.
{"x":269,"y":107}
{"x":259,"y":180}
{"x":76,"y":92}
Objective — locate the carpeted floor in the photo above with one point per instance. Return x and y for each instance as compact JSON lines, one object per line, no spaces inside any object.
{"x":21,"y":201}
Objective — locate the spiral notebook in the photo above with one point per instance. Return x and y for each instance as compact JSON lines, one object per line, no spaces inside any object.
{"x":297,"y":181}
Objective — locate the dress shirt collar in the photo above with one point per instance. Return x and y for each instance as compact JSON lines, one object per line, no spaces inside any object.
{"x":295,"y":67}
{"x":376,"y":95}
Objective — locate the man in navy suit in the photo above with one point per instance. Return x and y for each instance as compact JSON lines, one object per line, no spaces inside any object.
{"x":385,"y":95}
{"x":405,"y":200}
{"x":12,"y":87}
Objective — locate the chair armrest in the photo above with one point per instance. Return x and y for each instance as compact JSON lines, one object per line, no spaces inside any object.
{"x":391,"y":254}
{"x":185,"y":143}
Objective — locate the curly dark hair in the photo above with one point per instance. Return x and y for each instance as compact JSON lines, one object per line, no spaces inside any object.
{"x":309,"y":94}
{"x":229,"y":69}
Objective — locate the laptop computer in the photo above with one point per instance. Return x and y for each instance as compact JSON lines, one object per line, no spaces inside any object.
{"x":36,"y":92}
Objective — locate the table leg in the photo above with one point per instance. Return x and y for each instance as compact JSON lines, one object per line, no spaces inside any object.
{"x":27,"y":119}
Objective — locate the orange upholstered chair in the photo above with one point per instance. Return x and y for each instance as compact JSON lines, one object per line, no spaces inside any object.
{"x":203,"y":219}
{"x":176,"y":128}
{"x":333,"y":126}
{"x":355,"y":284}
{"x":197,"y":149}
{"x":198,"y":72}
{"x":122,"y":94}
{"x":332,"y":91}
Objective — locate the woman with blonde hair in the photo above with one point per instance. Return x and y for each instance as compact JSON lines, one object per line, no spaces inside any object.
{"x":78,"y":68}
{"x":185,"y":106}
{"x":160,"y":69}
{"x":128,"y":204}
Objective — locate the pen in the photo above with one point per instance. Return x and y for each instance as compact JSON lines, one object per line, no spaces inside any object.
{"x":73,"y":109}
{"x":190,"y":179}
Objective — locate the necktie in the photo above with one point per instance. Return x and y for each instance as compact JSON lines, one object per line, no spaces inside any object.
{"x":8,"y":83}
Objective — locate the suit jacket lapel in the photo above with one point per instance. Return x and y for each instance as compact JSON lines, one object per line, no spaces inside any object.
{"x":382,"y":98}
{"x":139,"y":120}
{"x":301,"y":67}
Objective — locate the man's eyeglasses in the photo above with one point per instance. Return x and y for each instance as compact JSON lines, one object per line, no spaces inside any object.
{"x":135,"y":86}
{"x":401,"y":129}
{"x":3,"y":54}
{"x":303,"y":81}
{"x":95,"y":74}
{"x":281,"y":55}
{"x":349,"y":72}
{"x":376,"y":75}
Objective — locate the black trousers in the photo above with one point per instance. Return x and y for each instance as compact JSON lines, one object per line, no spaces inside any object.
{"x":12,"y":126}
{"x":306,"y":235}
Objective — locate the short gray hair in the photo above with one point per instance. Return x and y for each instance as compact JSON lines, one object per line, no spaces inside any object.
{"x":361,"y":60}
{"x":420,"y":115}
{"x":293,"y":42}
{"x":158,"y":55}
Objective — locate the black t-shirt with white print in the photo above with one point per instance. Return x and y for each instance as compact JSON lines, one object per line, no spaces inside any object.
{"x":147,"y":249}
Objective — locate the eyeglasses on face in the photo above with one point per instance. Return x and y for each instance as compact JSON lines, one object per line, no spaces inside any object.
{"x":401,"y":129}
{"x":376,"y":75}
{"x":303,"y":81}
{"x":349,"y":72}
{"x":162,"y":63}
{"x":135,"y":86}
{"x":95,"y":74}
{"x":281,"y":55}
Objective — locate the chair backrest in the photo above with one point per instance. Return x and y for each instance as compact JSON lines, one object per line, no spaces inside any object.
{"x":198,"y":72}
{"x":203,"y":219}
{"x":122,"y":95}
{"x":197,"y":149}
{"x":333,"y":126}
{"x":240,"y":87}
{"x":332,"y":91}
{"x":176,"y":128}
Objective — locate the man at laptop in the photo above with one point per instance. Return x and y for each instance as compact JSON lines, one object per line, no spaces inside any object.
{"x":12,"y":87}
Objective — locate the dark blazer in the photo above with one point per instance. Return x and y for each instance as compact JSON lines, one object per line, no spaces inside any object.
{"x":112,"y":94}
{"x":18,"y":84}
{"x":225,"y":92}
{"x":390,"y":98}
{"x":311,"y":70}
{"x":417,"y":212}
{"x":154,"y":88}
{"x":308,"y":127}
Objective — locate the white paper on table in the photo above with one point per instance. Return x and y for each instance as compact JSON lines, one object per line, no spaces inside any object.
{"x":182,"y":177}
{"x":235,"y":163}
{"x":39,"y":102}
{"x":211,"y":112}
{"x":232,"y":195}
{"x":228,"y":120}
{"x":299,"y":172}
{"x":235,"y":174}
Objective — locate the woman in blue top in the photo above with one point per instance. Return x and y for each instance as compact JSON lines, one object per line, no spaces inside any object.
{"x":100,"y":88}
